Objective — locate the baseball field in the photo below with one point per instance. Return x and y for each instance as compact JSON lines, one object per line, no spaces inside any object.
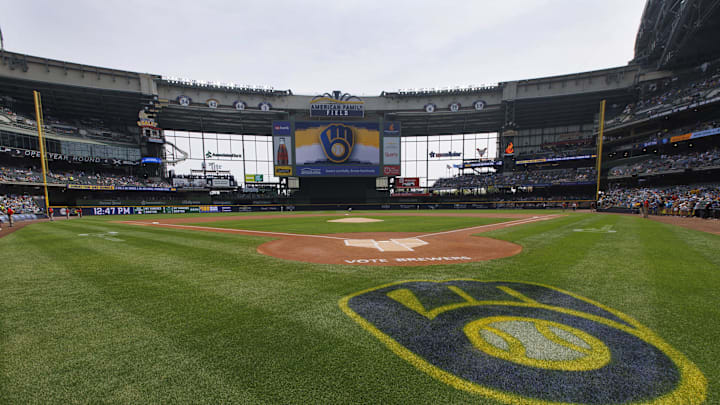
{"x":446,"y":307}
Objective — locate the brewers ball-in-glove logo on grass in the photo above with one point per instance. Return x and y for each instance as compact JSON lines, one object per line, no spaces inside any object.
{"x":337,"y":141}
{"x":524,"y":343}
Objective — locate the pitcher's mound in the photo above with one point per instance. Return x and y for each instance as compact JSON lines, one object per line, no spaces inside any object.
{"x":356,"y":220}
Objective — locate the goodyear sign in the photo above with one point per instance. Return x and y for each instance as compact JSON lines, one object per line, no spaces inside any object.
{"x":337,"y":104}
{"x":525,"y":343}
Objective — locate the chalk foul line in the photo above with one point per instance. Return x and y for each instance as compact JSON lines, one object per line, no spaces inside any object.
{"x":210,"y":228}
{"x":500,"y":224}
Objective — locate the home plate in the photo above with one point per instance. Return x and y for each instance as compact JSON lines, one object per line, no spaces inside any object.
{"x":392,"y":245}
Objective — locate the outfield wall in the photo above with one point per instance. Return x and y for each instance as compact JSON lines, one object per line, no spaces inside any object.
{"x":214,"y":209}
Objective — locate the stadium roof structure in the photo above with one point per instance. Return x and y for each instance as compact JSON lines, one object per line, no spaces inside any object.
{"x":71,"y":89}
{"x":678,"y":33}
{"x":673,"y":34}
{"x":76,"y":90}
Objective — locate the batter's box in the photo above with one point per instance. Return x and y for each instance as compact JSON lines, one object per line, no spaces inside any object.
{"x":392,"y":245}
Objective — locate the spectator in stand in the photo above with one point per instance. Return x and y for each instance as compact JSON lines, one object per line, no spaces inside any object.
{"x":668,"y":94}
{"x":687,"y":200}
{"x":664,"y":163}
{"x":21,"y":204}
{"x":8,"y":174}
{"x":524,"y":177}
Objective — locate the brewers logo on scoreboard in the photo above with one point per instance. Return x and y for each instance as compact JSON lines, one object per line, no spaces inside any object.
{"x":337,"y":141}
{"x":337,"y":149}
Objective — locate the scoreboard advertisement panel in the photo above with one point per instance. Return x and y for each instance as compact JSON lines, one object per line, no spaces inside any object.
{"x":282,"y":149}
{"x":391,"y":148}
{"x":335,"y":149}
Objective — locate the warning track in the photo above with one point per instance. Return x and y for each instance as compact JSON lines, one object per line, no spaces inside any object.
{"x":372,"y":249}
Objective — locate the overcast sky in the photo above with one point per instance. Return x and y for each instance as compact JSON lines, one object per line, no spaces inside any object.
{"x":361,"y":47}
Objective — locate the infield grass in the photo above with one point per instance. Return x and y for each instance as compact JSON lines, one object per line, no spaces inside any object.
{"x":320,"y":225}
{"x":183,"y":316}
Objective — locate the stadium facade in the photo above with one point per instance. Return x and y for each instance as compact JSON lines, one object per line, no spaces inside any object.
{"x":117,"y":138}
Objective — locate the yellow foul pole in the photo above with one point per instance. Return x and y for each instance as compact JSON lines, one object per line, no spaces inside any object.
{"x":41,"y":142}
{"x":598,"y":160}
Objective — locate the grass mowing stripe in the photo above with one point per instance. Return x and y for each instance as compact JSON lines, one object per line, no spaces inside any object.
{"x":171,"y":315}
{"x":321,"y":343}
{"x":95,"y":350}
{"x":691,"y":280}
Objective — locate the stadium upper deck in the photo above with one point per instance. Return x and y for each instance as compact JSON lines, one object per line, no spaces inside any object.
{"x":674,"y":35}
{"x":71,"y":89}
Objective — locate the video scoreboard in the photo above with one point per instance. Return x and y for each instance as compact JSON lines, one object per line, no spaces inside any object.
{"x":336,"y":149}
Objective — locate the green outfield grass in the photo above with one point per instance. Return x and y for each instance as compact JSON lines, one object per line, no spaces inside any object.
{"x":181,"y":316}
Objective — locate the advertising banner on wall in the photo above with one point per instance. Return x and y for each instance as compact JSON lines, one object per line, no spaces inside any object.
{"x":182,"y":182}
{"x":117,"y":188}
{"x":253,"y":178}
{"x":219,"y":183}
{"x":391,"y":170}
{"x":282,"y":148}
{"x":149,"y":210}
{"x":407,"y":182}
{"x":391,"y":128}
{"x":348,"y":149}
{"x":470,"y":165}
{"x":16,"y":152}
{"x":391,"y":150}
{"x":559,"y":159}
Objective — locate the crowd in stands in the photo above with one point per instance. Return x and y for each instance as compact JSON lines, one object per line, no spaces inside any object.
{"x":575,"y":147}
{"x":664,"y":163}
{"x":20,"y":204}
{"x":517,"y":178}
{"x":670,"y":93}
{"x":14,"y":174}
{"x":683,"y":200}
{"x":564,"y":202}
{"x":83,"y":128}
{"x":700,"y":126}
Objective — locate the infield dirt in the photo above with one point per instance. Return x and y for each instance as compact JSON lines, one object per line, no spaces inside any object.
{"x":374,"y":249}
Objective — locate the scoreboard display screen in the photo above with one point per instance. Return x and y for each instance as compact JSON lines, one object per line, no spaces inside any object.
{"x":330,"y":149}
